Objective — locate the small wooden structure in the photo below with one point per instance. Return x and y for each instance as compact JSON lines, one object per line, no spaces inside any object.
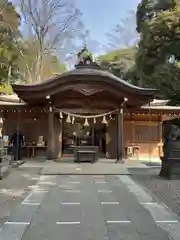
{"x":85,"y":151}
{"x":86,"y":154}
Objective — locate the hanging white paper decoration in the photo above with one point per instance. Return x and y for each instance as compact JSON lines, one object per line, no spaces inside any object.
{"x":60,"y":115}
{"x":86,"y":122}
{"x":104,"y":121}
{"x":73,"y":119}
{"x":68,"y":120}
{"x":1,"y":121}
{"x":94,"y":117}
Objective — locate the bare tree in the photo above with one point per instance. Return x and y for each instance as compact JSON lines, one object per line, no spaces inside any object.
{"x":124,"y":34}
{"x":50,"y":23}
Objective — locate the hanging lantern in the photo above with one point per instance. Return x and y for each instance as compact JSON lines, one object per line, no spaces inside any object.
{"x":94,"y":120}
{"x":73,"y":119}
{"x":60,"y":115}
{"x":86,"y":122}
{"x":68,"y":120}
{"x":104,"y":121}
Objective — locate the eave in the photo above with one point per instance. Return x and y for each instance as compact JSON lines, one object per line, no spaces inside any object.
{"x":62,"y":82}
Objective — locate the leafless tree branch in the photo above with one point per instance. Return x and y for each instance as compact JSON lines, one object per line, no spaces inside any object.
{"x":51,"y":23}
{"x":124,"y":33}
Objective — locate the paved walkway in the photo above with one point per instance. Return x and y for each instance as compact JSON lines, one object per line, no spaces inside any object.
{"x":102,"y":166}
{"x":14,"y":188}
{"x":91,"y":207}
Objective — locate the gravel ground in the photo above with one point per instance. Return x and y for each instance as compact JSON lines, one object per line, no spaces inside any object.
{"x":168,"y":191}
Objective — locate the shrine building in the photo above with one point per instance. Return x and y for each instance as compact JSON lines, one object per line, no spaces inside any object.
{"x":123,"y":120}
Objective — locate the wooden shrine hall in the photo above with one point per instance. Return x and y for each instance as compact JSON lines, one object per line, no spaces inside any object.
{"x":56,"y":113}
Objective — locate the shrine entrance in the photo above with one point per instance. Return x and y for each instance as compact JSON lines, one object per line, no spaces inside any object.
{"x":76,"y":134}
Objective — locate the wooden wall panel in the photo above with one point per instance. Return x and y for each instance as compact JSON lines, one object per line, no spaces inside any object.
{"x":145,"y":134}
{"x":29,"y":128}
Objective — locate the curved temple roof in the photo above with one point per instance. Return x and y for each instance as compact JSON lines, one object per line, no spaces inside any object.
{"x":87,"y":72}
{"x":87,"y":75}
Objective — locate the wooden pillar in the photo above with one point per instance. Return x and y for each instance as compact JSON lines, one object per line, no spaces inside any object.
{"x":132,"y":129}
{"x":16,"y":155}
{"x":60,"y":138}
{"x":120,"y":137}
{"x":160,"y":137}
{"x":93,"y":130}
{"x":133,"y":132}
{"x":1,"y":127}
{"x":161,"y":129}
{"x":150,"y":133}
{"x":51,"y":145}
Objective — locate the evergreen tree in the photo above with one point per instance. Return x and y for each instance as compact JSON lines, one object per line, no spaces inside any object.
{"x":9,"y":24}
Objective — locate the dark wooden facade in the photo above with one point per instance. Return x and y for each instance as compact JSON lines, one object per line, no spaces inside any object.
{"x":141,"y":127}
{"x":87,"y":90}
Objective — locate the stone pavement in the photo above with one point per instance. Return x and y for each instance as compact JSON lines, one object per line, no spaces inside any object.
{"x":102,"y":166}
{"x":91,"y":207}
{"x":14,"y":188}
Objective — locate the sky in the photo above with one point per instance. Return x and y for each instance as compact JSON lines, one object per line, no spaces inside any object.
{"x":101,"y":16}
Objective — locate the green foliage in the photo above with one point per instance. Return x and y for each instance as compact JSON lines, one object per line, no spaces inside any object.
{"x":9,"y":23}
{"x":21,"y":59}
{"x":6,"y":89}
{"x":132,"y":75}
{"x":126,"y":53}
{"x":159,"y":42}
{"x":147,"y":9}
{"x":119,"y":62}
{"x":161,"y":74}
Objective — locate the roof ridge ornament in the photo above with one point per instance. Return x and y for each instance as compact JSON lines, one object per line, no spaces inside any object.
{"x":85,"y":59}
